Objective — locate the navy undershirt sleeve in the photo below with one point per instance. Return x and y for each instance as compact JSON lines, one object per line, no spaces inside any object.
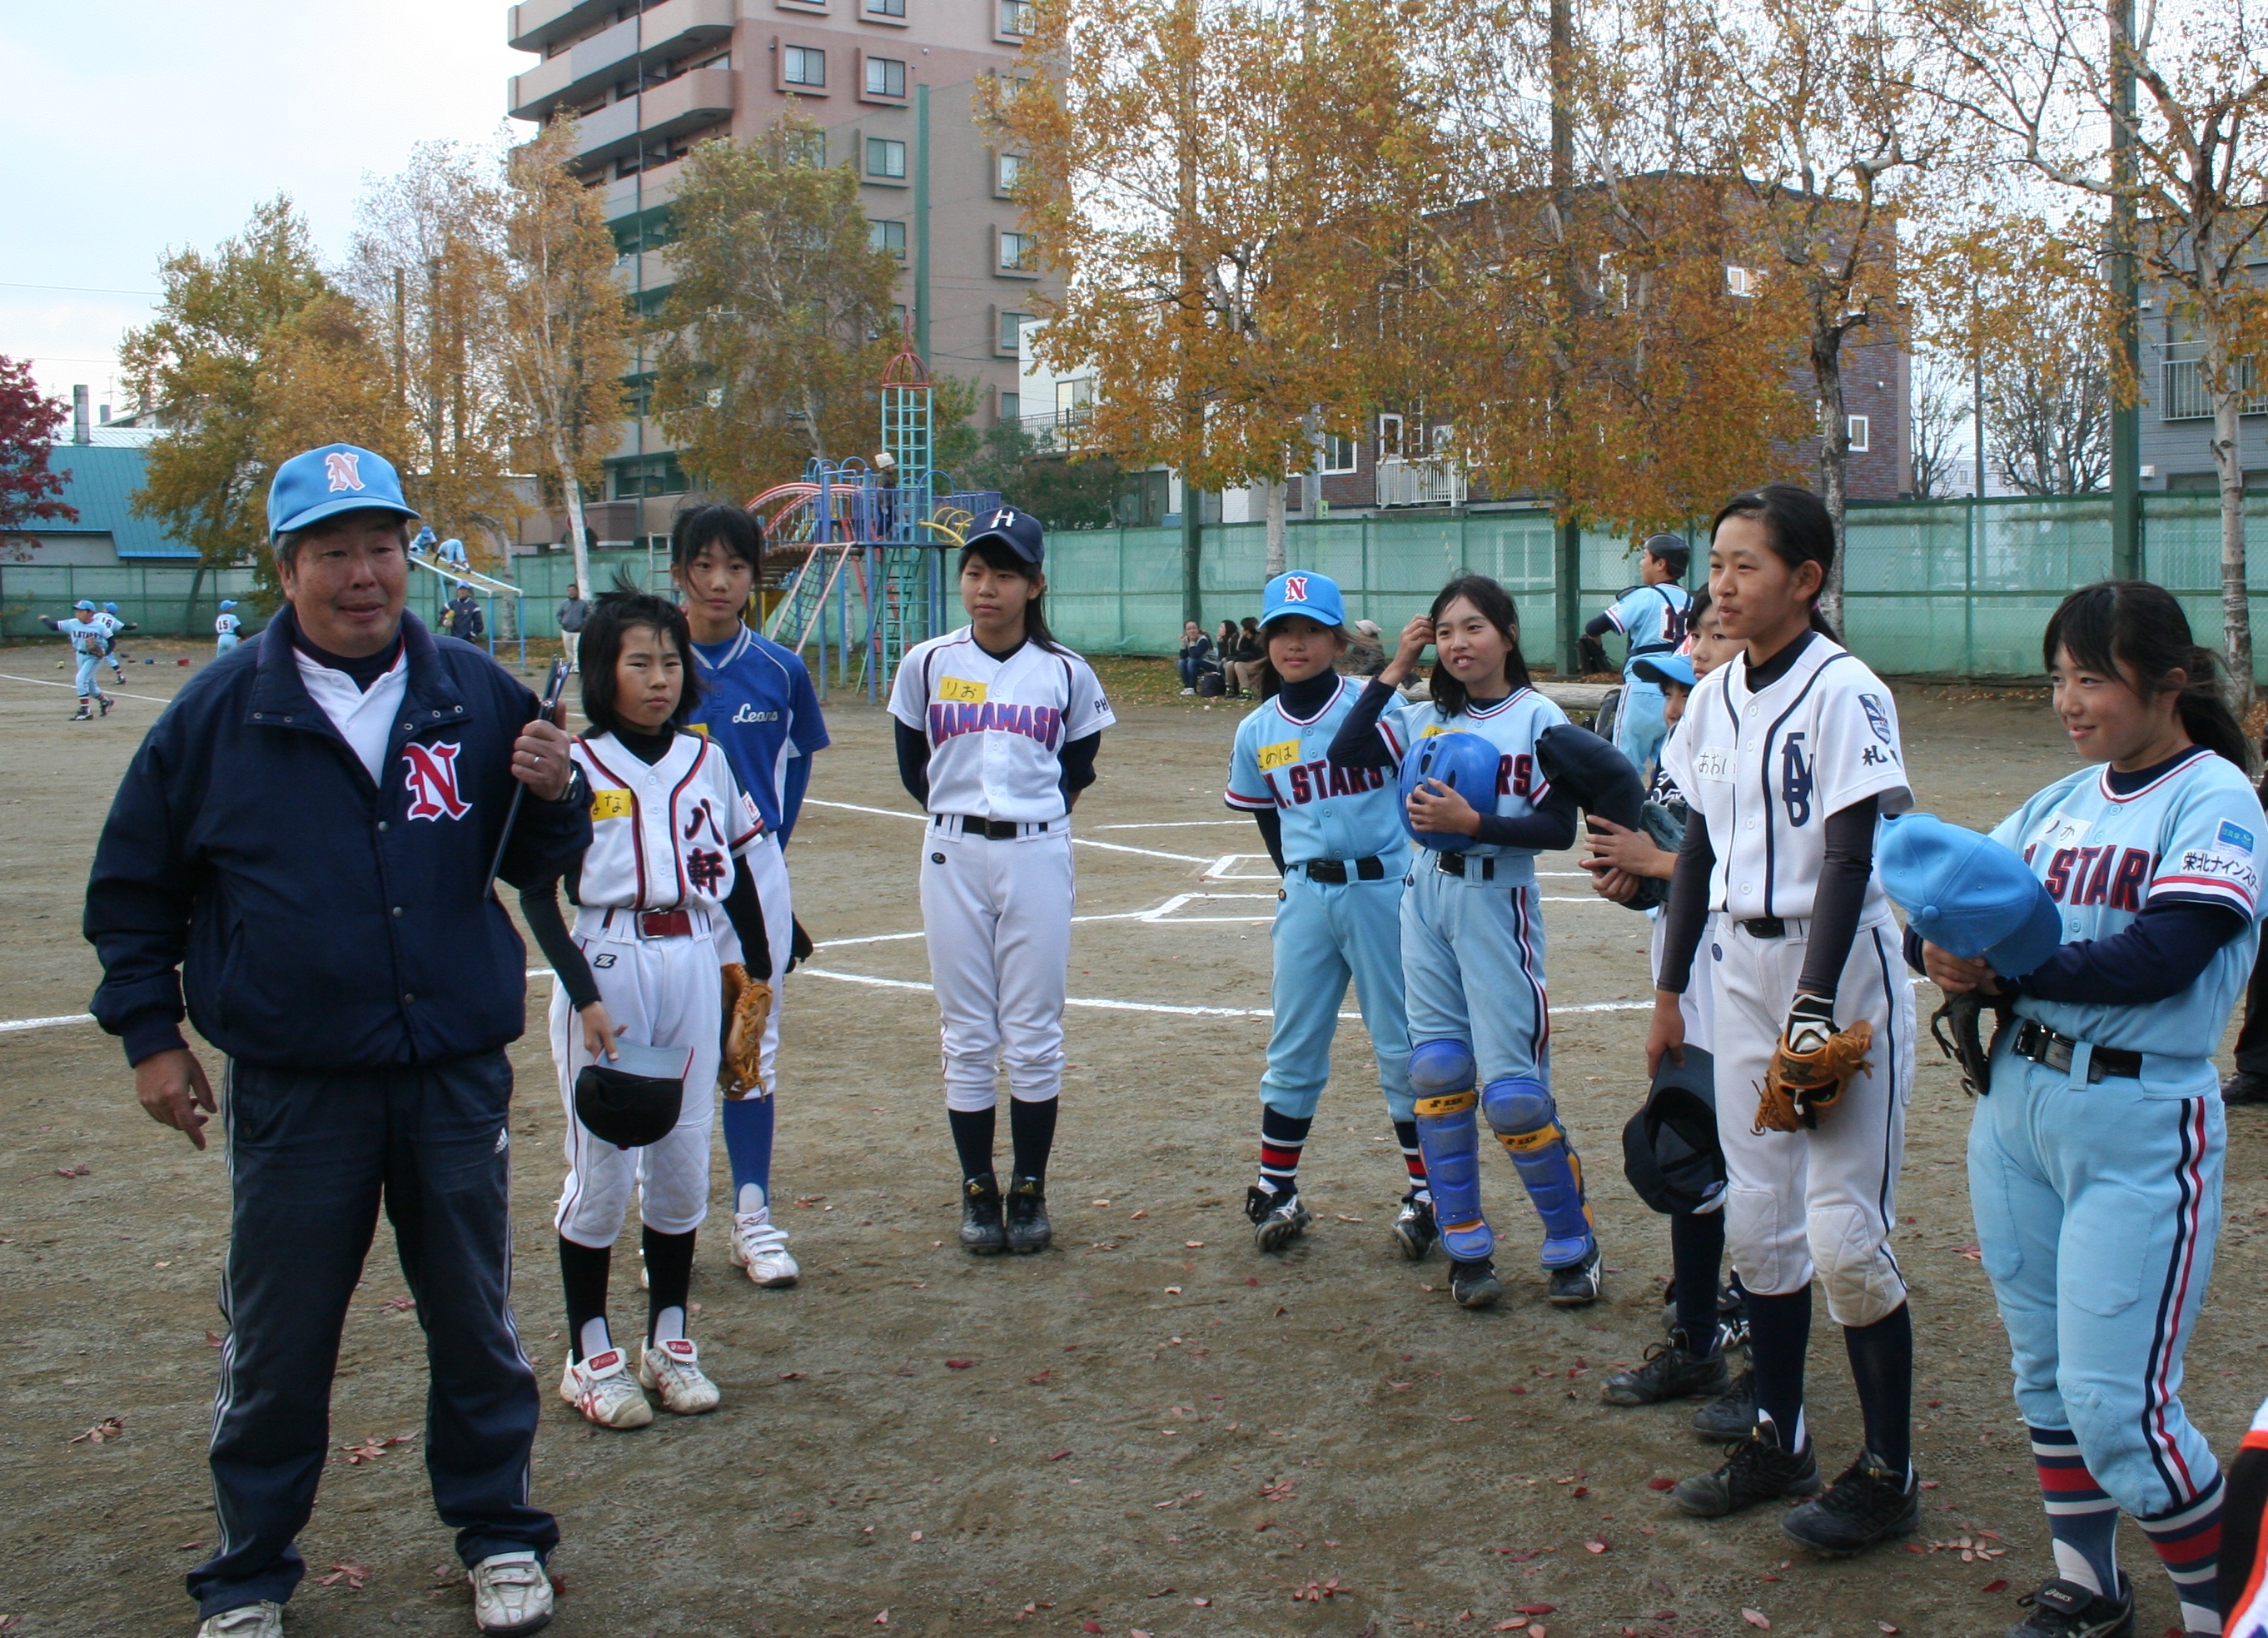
{"x":1840,"y":897}
{"x":913,"y":762}
{"x":2163,"y":951}
{"x":1078,"y":763}
{"x":746,"y":912}
{"x":1271,"y":832}
{"x":1359,"y":744}
{"x":1550,"y":828}
{"x":1599,"y":625}
{"x":540,"y":905}
{"x":1688,"y":909}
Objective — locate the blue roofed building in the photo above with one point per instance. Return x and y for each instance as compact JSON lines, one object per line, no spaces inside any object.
{"x":102,"y":466}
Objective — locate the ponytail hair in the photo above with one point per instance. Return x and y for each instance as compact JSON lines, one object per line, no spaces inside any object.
{"x":1497,"y":609}
{"x":2137,"y":631}
{"x":996,"y":555}
{"x":1800,"y":530}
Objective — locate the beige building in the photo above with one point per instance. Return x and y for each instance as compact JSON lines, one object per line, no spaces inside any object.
{"x":893,"y":83}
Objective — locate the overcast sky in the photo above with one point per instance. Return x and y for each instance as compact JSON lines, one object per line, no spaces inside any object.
{"x":141,"y":125}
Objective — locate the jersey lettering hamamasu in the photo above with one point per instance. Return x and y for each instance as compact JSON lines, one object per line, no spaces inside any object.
{"x":664,"y":836}
{"x":997,"y":728}
{"x":1512,"y":725}
{"x":2193,"y":834}
{"x":1279,"y":762}
{"x":1766,"y":768}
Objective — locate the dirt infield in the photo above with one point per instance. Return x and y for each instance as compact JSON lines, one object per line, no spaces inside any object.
{"x":1150,"y":1430}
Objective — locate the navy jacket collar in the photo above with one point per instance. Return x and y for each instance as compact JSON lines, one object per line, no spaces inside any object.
{"x":278,"y":694}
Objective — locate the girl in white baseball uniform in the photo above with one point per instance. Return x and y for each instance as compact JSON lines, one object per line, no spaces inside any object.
{"x":660,"y":897}
{"x":998,"y":727}
{"x":1788,"y":754}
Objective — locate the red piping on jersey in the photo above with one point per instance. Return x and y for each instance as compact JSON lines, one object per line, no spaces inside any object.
{"x":1504,"y":704}
{"x":637,"y":828}
{"x":2180,"y":768}
{"x":676,"y":850}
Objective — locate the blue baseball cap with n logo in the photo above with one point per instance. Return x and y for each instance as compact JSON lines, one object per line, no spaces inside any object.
{"x":322,"y":483}
{"x":1018,"y":531}
{"x":1303,"y":592}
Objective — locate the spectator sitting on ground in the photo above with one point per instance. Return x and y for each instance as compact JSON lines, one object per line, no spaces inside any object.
{"x":1197,"y":657}
{"x":1240,"y":669}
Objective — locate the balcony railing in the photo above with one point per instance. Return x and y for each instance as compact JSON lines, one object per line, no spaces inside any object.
{"x":1060,"y":432}
{"x":1429,"y":483}
{"x":2185,"y":397}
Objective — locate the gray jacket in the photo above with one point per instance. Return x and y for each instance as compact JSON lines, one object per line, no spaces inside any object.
{"x":573,"y":613}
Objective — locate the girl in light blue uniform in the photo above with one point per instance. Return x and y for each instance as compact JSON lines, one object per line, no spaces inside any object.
{"x":1472,"y":937}
{"x":2095,"y":1166}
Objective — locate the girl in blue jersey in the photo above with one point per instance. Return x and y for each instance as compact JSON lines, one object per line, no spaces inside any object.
{"x":2095,"y":1166}
{"x":1472,"y":937}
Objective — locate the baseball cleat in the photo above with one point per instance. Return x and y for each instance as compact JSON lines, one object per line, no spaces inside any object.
{"x":603,"y":1390}
{"x":2245,"y":1086}
{"x":106,"y":702}
{"x":2063,"y":1609}
{"x":1414,"y":1230}
{"x":673,"y":1369}
{"x":1732,"y":1414}
{"x":1867,"y":1505}
{"x":84,"y":715}
{"x":1276,"y":1219}
{"x":511,"y":1594}
{"x":760,"y":1248}
{"x":1671,"y":1372}
{"x":983,"y":1231}
{"x":1579,"y":1283}
{"x":1474,"y":1284}
{"x":1028,"y":1228}
{"x":1757,"y":1471}
{"x":264,"y":1620}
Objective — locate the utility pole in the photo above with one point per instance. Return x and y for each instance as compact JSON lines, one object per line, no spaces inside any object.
{"x":2125,"y":417}
{"x":1567,"y":536}
{"x":921,"y":220}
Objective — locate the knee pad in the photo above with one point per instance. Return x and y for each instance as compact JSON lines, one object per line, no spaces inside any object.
{"x":1438,"y":1068}
{"x":1450,"y":1135}
{"x":1527,"y":1122}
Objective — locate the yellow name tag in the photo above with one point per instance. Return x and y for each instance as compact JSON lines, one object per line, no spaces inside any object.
{"x":1432,"y":728}
{"x":702,"y":729}
{"x":609,"y":805}
{"x":1282,"y":754}
{"x":960,"y":688}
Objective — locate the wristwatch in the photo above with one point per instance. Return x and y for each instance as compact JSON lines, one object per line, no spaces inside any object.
{"x":578,"y":788}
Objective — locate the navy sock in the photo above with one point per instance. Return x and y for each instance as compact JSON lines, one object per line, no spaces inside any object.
{"x":582,"y":1272}
{"x":1697,"y":1252}
{"x":1282,"y":1139}
{"x":1779,"y":1330}
{"x":1031,"y":1133}
{"x":749,"y":1147}
{"x":972,"y":1139}
{"x":668,"y":1280}
{"x":1881,"y":1364}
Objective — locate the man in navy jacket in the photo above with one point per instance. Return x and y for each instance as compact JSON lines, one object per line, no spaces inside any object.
{"x":299,"y":851}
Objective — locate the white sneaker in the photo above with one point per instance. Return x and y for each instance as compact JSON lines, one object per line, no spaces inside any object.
{"x":603,"y":1389}
{"x":761,"y":1247}
{"x":673,"y":1369}
{"x":510,"y":1593}
{"x":264,"y":1620}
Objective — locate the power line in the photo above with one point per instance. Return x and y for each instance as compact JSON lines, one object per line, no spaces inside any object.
{"x":85,"y":289}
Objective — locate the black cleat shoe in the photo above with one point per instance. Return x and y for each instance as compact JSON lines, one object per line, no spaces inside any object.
{"x":1575,"y":1286}
{"x":1864,"y":1508}
{"x":1276,"y":1219}
{"x":1671,"y":1372}
{"x":2244,"y":1087}
{"x":1415,"y":1232}
{"x":82,"y":715}
{"x":1474,"y":1284}
{"x":1028,"y":1228}
{"x":2063,"y":1609}
{"x":1732,"y":1414}
{"x":1757,"y":1471}
{"x":106,"y":702}
{"x":982,"y":1231}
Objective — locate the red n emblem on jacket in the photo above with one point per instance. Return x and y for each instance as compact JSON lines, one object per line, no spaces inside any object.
{"x":432,"y":776}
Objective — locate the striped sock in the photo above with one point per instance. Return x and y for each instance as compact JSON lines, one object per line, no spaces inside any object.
{"x":1413,"y":1158}
{"x":2187,"y":1543}
{"x":1282,"y":1137}
{"x":2081,"y":1519}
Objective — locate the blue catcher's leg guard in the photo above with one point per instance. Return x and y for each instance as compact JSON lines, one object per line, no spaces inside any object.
{"x":1525,"y":1119}
{"x":1441,"y":1084}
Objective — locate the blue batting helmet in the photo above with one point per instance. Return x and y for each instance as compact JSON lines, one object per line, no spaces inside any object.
{"x":1465,"y":762}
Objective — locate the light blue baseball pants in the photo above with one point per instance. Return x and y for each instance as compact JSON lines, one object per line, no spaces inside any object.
{"x":1326,"y":933}
{"x":1472,"y":960}
{"x":1639,"y":726}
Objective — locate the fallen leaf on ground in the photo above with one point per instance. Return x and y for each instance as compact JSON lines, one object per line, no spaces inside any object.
{"x":353,"y":1574}
{"x":1042,"y":1376}
{"x":1058,"y":1455}
{"x":1202,"y":1603}
{"x":1661,"y":1484}
{"x":80,"y":1171}
{"x":1595,"y":1546}
{"x":1090,"y":1626}
{"x":959,"y":1364}
{"x":1886,"y":1626}
{"x":1756,"y":1618}
{"x":213,"y":1339}
{"x":1512,"y":1626}
{"x":1995,"y":1586}
{"x":108,"y":1428}
{"x":791,"y":1375}
{"x":1535,"y":1609}
{"x":1276,"y":1490}
{"x":401,"y":1304}
{"x":882,"y":1618}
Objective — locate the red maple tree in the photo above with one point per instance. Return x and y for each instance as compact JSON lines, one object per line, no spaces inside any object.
{"x":28,"y":422}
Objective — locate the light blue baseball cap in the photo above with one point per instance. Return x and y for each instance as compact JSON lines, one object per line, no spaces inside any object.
{"x":322,"y":483}
{"x":1677,"y":668}
{"x":228,"y":602}
{"x":1967,"y":894}
{"x":1303,"y":592}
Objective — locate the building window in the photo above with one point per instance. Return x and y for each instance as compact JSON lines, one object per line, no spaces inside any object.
{"x":886,"y":156}
{"x":890,"y":236}
{"x":1012,"y":407}
{"x":1012,"y":328}
{"x":1012,"y":171}
{"x":885,"y":8}
{"x":651,"y":475}
{"x":1739,"y":281}
{"x":1074,"y":400}
{"x":1018,"y":252}
{"x":1860,"y":431}
{"x":886,"y":77}
{"x":803,"y":65}
{"x":1016,"y":17}
{"x":805,"y":146}
{"x":1389,"y":436}
{"x":1338,"y":453}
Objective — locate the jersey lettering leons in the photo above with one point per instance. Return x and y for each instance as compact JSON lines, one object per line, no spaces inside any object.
{"x":2193,"y":835}
{"x":1279,"y":761}
{"x":996,"y":728}
{"x":758,"y":704}
{"x":665,"y":835}
{"x":1766,"y":769}
{"x":1511,"y":724}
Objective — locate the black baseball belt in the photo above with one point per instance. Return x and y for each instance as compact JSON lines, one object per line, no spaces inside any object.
{"x":1482,"y":868}
{"x":2030,"y":1039}
{"x":1337,"y":870}
{"x":994,"y":830}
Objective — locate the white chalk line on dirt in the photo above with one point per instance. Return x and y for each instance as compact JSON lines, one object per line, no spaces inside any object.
{"x":1077,"y":841}
{"x":9,"y":677}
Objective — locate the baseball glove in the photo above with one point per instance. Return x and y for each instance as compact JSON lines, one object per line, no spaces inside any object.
{"x":1811,"y":1068}
{"x":748,"y":1007}
{"x":1958,"y":1029}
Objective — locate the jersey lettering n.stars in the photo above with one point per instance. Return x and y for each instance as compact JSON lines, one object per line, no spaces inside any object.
{"x":663,"y":835}
{"x":1327,"y":812}
{"x":1512,"y":725}
{"x":2193,"y":834}
{"x":997,"y":728}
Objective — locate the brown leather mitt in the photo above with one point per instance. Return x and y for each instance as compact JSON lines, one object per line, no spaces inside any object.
{"x":1801,"y":1084}
{"x":747,"y":1006}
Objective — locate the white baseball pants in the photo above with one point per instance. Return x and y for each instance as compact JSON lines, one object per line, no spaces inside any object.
{"x":1824,"y":1199}
{"x":998,"y":916}
{"x":668,"y":993}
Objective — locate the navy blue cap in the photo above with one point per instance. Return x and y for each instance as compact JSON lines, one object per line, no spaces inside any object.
{"x":1967,"y":894}
{"x":1018,"y":531}
{"x":322,"y":483}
